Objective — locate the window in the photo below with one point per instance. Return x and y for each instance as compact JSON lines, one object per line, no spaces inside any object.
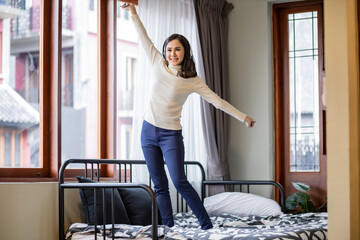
{"x":19,"y":89}
{"x":304,"y":92}
{"x":91,"y":5}
{"x":126,"y":75}
{"x":118,"y":9}
{"x":79,"y":114}
{"x":34,"y":149}
{"x":126,"y":15}
{"x":300,"y":116}
{"x":125,"y":141}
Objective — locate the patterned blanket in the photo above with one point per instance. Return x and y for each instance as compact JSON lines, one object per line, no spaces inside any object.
{"x":226,"y":227}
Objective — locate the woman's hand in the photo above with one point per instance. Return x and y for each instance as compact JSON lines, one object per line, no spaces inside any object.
{"x":249,"y":121}
{"x":129,"y":7}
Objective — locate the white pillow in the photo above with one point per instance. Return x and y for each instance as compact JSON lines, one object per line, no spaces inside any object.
{"x":241,"y":204}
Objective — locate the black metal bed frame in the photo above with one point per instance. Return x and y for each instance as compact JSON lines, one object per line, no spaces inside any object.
{"x":125,"y":181}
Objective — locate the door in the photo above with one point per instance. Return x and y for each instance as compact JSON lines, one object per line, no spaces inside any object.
{"x":299,"y":112}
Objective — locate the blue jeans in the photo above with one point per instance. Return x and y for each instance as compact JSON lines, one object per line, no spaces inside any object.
{"x":157,"y":144}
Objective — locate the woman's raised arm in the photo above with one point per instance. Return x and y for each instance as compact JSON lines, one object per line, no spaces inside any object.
{"x":152,"y":53}
{"x":130,"y":7}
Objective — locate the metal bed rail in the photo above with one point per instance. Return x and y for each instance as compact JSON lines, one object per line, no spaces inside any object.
{"x":91,"y":169}
{"x":104,"y":186}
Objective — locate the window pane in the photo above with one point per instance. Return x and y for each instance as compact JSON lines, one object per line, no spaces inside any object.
{"x":303,"y":34}
{"x":304,"y":94}
{"x":91,"y":5}
{"x":126,"y":75}
{"x":79,"y":115}
{"x":303,"y":15}
{"x":305,"y":53}
{"x":19,"y":84}
{"x":291,"y":33}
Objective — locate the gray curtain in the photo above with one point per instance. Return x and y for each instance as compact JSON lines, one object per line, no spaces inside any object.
{"x":212,"y":21}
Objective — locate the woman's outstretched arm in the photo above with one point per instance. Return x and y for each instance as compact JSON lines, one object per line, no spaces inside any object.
{"x":152,"y":53}
{"x":204,"y":91}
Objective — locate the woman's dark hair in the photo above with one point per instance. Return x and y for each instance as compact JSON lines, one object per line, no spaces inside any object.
{"x":188,"y":65}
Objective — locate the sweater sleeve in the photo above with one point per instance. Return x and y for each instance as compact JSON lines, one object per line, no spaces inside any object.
{"x":151,"y":52}
{"x":204,"y":91}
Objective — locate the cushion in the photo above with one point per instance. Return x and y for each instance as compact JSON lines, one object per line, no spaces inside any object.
{"x":87,"y":198}
{"x":138,"y":205}
{"x":241,"y":204}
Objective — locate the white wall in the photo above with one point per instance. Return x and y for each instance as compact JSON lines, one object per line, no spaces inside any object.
{"x":251,"y":89}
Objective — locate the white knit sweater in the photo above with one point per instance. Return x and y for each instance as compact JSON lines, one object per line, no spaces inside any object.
{"x":169,"y":92}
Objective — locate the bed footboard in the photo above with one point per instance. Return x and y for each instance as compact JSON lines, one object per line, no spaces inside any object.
{"x":94,"y":173}
{"x":122,"y":177}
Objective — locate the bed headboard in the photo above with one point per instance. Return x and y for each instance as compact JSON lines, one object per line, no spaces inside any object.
{"x":123,"y":173}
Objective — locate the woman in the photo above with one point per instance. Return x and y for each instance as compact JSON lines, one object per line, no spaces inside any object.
{"x":174,"y":79}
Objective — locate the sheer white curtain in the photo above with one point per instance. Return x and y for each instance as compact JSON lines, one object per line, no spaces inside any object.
{"x":162,"y":18}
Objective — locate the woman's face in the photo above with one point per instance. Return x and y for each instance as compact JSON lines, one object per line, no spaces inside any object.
{"x":175,"y":52}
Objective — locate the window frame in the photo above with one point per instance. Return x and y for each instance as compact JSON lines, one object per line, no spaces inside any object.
{"x":281,"y":94}
{"x":50,"y":93}
{"x":49,"y":130}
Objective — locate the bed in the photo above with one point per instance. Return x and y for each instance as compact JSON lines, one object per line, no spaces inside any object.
{"x":100,"y":197}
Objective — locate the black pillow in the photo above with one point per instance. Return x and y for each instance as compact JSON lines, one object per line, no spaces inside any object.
{"x":138,"y":205}
{"x":87,"y":198}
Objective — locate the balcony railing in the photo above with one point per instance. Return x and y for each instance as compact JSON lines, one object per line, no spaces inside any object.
{"x":19,"y":4}
{"x":28,"y":25}
{"x":304,"y":149}
{"x":11,"y":8}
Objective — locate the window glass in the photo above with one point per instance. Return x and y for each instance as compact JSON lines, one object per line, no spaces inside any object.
{"x":79,"y":113}
{"x":118,"y":9}
{"x":91,"y":5}
{"x":19,"y":84}
{"x":126,"y":74}
{"x":304,"y":92}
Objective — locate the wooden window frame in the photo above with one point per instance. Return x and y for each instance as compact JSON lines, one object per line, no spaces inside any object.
{"x":281,"y":119}
{"x":50,"y":92}
{"x":49,"y":100}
